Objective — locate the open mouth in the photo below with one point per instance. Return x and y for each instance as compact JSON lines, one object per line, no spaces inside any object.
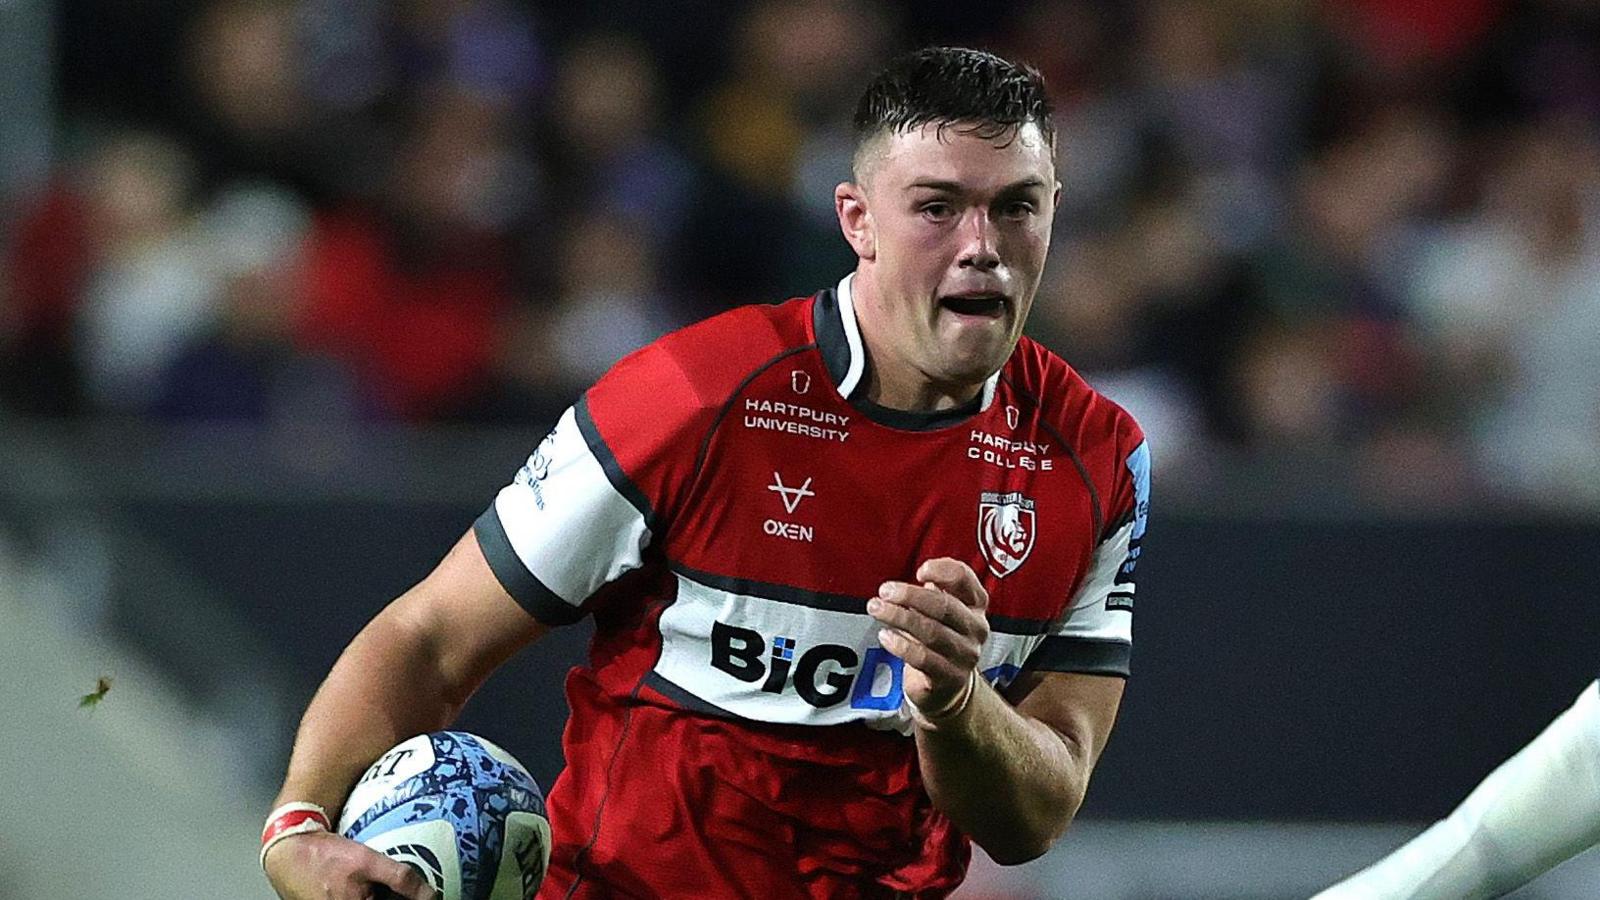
{"x":987,"y":305}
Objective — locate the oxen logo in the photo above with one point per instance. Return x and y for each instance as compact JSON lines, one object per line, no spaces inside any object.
{"x":791,"y":495}
{"x":1005,"y":530}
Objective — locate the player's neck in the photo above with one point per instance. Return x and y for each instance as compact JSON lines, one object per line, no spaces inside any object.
{"x":908,"y":390}
{"x":891,"y":380}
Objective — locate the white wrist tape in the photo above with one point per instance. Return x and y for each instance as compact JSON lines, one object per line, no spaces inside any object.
{"x":291,"y":819}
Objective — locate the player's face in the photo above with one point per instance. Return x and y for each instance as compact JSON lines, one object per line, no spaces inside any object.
{"x":958,"y":228}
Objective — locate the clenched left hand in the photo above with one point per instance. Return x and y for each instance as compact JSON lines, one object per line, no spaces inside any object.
{"x":938,"y":627}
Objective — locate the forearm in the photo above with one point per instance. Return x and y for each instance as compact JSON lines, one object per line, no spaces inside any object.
{"x":1010,"y":782}
{"x":386,"y":686}
{"x":1537,"y":809}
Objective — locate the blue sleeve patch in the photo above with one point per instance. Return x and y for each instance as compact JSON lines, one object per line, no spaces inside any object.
{"x":1138,"y":463}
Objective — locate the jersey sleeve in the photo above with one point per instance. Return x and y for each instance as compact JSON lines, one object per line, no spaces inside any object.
{"x":1096,"y":634}
{"x":595,"y":493}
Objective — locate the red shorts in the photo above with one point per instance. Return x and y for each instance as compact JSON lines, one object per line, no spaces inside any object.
{"x":660,"y":802}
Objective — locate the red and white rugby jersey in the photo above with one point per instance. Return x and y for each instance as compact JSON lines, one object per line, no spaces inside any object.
{"x":723,"y":503}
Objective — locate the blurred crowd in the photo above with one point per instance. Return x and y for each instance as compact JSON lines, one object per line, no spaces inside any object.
{"x":1296,"y":228}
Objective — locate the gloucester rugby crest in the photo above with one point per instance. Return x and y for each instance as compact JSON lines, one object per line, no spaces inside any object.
{"x":1005,"y":530}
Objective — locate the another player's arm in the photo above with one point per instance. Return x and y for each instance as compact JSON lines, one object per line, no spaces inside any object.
{"x":1537,"y":809}
{"x":409,"y":671}
{"x":1010,"y":776}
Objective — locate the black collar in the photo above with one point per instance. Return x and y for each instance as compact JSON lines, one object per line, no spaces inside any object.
{"x":844,"y":354}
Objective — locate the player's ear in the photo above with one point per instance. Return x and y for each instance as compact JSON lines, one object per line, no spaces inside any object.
{"x":855,"y":220}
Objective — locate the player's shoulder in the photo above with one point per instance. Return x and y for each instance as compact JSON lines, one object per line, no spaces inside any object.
{"x":1067,"y":401}
{"x":705,"y":362}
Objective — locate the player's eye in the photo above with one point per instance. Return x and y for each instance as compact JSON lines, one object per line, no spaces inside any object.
{"x":1019,"y":209}
{"x":937,"y":210}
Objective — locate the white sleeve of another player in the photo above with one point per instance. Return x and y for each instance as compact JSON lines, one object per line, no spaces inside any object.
{"x":1539,"y":808}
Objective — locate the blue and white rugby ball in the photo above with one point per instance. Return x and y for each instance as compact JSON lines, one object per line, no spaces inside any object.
{"x":460,"y":810}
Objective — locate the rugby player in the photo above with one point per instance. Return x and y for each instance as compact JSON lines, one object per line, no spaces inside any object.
{"x":860,"y":565}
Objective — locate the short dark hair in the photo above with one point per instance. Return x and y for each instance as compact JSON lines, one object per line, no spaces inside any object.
{"x":986,"y":95}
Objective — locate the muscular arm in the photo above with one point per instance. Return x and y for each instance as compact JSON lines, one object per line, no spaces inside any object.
{"x":409,"y":671}
{"x":1010,"y":776}
{"x":1013,"y":777}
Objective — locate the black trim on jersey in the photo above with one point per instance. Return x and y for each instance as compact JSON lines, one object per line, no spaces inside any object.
{"x":780,"y":593}
{"x":523,"y":586}
{"x":705,"y":442}
{"x":845,"y":603}
{"x":1015,"y":625}
{"x":1077,"y":461}
{"x":827,"y":320}
{"x":1117,"y":523}
{"x":919,"y":421}
{"x":657,"y":682}
{"x":608,"y":462}
{"x":1093,"y":656}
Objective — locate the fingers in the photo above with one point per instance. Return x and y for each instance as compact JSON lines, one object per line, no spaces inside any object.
{"x":400,"y":878}
{"x":936,"y":666}
{"x":325,"y":866}
{"x":938,"y":628}
{"x":936,"y":604}
{"x":955,"y":578}
{"x":934,"y":633}
{"x":928,"y":630}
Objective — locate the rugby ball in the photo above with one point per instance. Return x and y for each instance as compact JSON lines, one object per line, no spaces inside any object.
{"x":458,"y":809}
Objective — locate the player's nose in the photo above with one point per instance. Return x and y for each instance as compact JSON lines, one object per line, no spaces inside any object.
{"x":977,"y":241}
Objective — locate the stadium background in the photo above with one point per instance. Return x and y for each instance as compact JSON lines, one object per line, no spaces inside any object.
{"x":287,"y":289}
